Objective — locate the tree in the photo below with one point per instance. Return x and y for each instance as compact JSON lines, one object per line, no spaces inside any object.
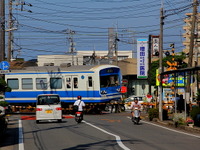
{"x":155,"y":65}
{"x":3,"y":86}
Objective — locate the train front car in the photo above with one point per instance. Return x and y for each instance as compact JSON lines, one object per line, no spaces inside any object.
{"x":98,"y":85}
{"x":110,"y":83}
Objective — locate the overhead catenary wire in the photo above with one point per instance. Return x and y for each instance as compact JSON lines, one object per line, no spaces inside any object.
{"x":88,"y":32}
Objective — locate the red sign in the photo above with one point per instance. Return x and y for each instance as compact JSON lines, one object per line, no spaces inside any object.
{"x":123,"y":89}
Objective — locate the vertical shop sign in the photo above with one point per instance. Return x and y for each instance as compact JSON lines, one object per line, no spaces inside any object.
{"x":155,"y":46}
{"x":142,"y":53}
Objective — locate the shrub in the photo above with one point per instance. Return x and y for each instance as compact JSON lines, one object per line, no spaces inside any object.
{"x":194,"y":112}
{"x":3,"y":103}
{"x":153,"y":113}
{"x":179,"y":119}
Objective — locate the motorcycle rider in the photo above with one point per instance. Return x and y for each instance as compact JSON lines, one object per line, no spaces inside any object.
{"x":80,"y":104}
{"x":135,"y":104}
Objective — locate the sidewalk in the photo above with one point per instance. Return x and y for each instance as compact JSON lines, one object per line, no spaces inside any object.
{"x":171,"y":124}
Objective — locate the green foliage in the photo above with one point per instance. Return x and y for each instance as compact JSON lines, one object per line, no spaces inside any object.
{"x":153,"y":113}
{"x":179,"y":118}
{"x":3,"y":86}
{"x":198,"y":96}
{"x":194,"y":112}
{"x":3,"y":103}
{"x":155,"y":65}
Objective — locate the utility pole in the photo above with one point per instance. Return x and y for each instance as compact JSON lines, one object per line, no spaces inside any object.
{"x":160,"y":64}
{"x":149,"y":61}
{"x":72,"y":45}
{"x":2,"y":30}
{"x":116,"y":47}
{"x":10,"y":40}
{"x":190,"y":57}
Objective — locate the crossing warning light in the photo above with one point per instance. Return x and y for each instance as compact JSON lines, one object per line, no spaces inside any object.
{"x":123,"y":89}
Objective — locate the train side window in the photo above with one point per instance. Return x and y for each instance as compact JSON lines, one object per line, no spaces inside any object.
{"x":75,"y":83}
{"x":68,"y":82}
{"x":41,"y":83}
{"x":13,"y":83}
{"x":27,"y":83}
{"x":56,"y":83}
{"x":90,"y":81}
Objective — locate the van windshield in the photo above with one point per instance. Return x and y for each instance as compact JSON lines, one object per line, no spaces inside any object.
{"x":48,"y":99}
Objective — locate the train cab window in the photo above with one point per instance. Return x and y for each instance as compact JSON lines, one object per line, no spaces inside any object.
{"x":56,"y":83}
{"x":41,"y":83}
{"x":109,"y":81}
{"x":13,"y":83}
{"x":90,"y":81}
{"x":68,"y":82}
{"x":27,"y":83}
{"x":75,"y":83}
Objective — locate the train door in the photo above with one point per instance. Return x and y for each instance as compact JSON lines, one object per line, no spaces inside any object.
{"x":90,"y":87}
{"x":72,"y":86}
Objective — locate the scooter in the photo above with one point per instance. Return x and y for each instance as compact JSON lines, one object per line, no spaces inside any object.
{"x":78,"y":116}
{"x":136,"y":118}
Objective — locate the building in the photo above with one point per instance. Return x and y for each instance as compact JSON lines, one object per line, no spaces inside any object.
{"x":187,"y":34}
{"x":135,"y":86}
{"x":81,"y":58}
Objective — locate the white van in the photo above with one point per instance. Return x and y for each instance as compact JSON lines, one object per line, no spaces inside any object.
{"x":48,"y":107}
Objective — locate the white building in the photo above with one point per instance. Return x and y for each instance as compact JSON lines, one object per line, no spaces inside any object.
{"x":78,"y":59}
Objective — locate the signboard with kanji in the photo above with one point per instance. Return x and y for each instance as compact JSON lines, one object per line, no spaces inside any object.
{"x":142,"y":55}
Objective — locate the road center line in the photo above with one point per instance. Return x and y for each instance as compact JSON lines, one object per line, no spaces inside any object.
{"x":169,"y":128}
{"x":118,"y":139}
{"x":20,"y":141}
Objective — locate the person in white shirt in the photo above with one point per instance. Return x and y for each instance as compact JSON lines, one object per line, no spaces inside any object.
{"x":2,"y":110}
{"x":135,"y":104}
{"x":79,"y":103}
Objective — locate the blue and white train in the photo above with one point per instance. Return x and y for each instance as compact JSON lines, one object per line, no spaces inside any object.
{"x":96,"y":84}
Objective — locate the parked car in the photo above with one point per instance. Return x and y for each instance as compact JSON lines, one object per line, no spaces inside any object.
{"x":3,"y":125}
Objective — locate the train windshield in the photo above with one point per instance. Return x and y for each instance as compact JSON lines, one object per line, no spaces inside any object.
{"x":48,"y":99}
{"x":109,"y":81}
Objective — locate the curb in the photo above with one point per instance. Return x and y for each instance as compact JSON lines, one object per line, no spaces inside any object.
{"x":172,"y":125}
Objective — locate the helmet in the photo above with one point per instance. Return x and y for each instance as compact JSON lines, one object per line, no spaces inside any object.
{"x":79,"y":97}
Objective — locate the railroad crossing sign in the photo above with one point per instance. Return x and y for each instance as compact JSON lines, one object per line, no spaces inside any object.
{"x":4,"y":65}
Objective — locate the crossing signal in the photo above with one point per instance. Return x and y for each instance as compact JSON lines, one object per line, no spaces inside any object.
{"x":133,"y":91}
{"x":156,"y":53}
{"x":167,"y":53}
{"x":172,"y":45}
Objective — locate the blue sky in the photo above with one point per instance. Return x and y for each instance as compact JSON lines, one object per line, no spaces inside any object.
{"x":46,"y":30}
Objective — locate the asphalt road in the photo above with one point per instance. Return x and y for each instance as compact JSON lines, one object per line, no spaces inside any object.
{"x":107,"y":131}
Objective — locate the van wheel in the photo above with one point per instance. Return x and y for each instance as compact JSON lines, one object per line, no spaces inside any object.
{"x":59,"y":120}
{"x":37,"y":121}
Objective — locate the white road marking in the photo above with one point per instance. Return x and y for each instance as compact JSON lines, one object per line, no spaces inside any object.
{"x":21,"y":141}
{"x":118,"y":139}
{"x":169,"y":128}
